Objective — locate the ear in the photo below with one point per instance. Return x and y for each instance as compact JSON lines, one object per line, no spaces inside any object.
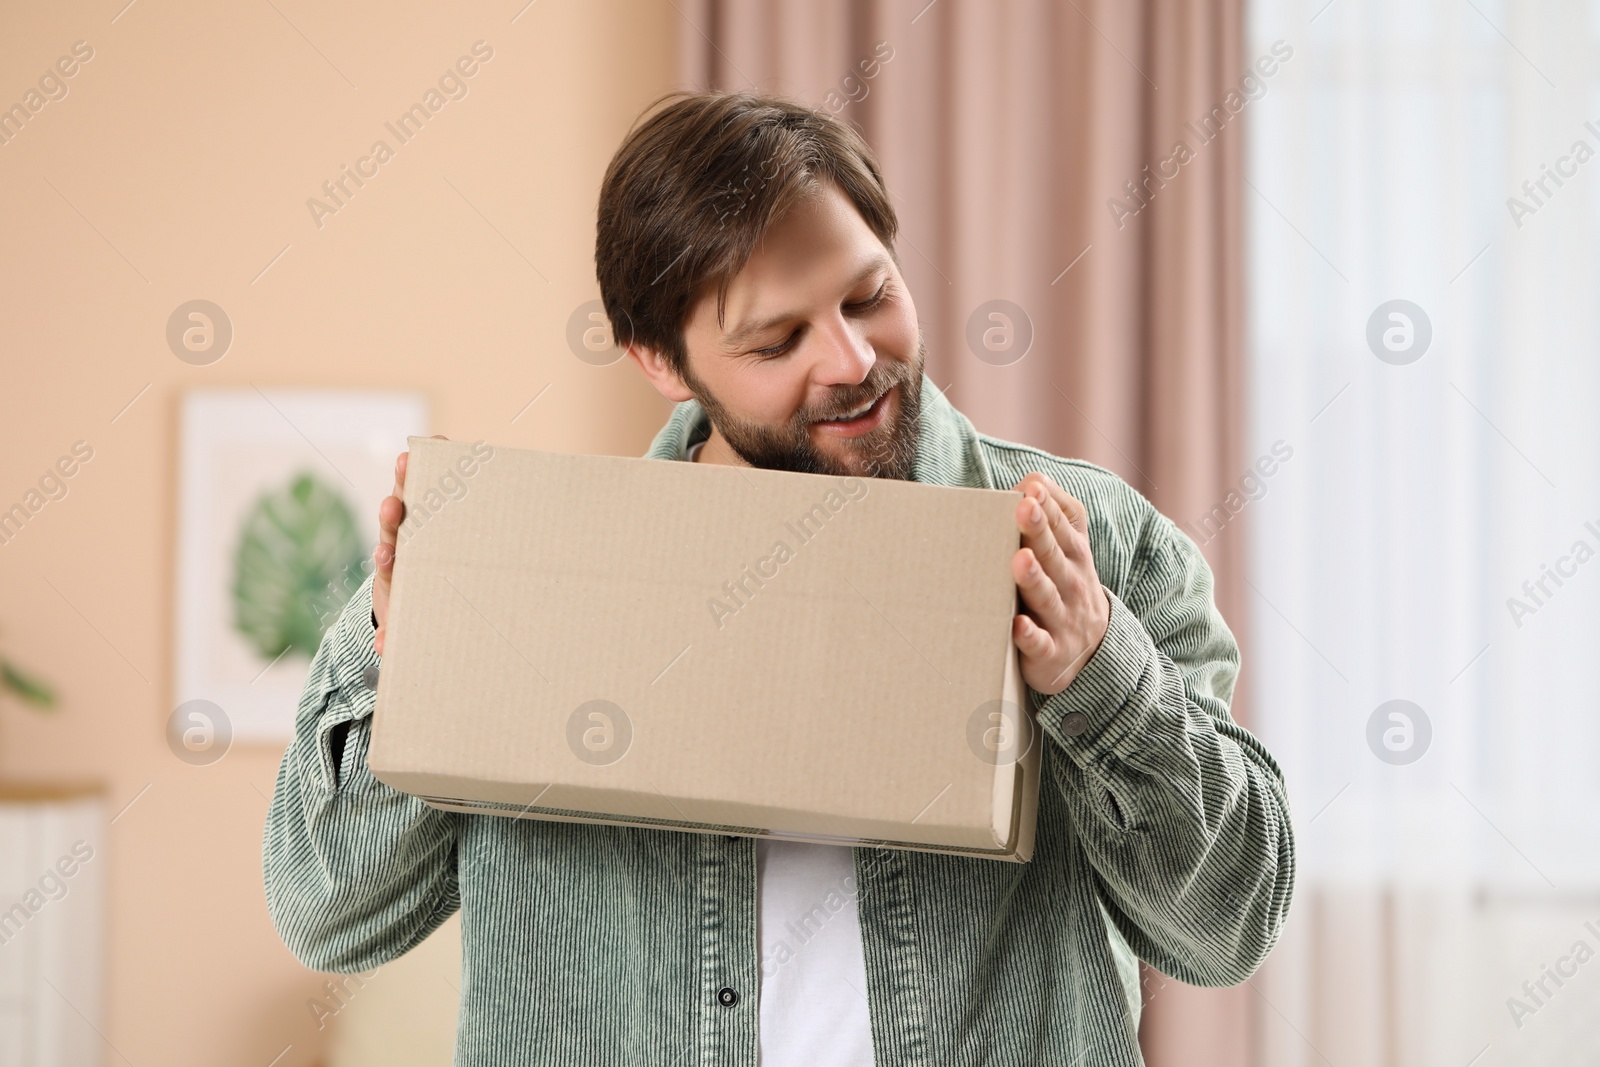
{"x":654,"y":366}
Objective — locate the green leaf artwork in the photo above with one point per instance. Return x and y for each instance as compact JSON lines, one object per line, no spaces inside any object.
{"x":27,"y":688}
{"x":298,"y":559}
{"x":24,"y":686}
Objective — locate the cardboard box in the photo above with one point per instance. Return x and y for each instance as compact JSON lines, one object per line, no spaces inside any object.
{"x":707,"y":648}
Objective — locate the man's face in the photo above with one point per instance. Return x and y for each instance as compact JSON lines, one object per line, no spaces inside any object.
{"x":818,"y":324}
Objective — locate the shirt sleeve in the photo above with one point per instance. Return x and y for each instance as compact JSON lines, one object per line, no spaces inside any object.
{"x":356,"y":872}
{"x":1183,"y":813}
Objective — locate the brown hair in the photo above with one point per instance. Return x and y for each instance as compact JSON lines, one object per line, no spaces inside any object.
{"x":692,"y":189}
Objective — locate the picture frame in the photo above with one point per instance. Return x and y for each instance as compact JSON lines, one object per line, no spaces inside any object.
{"x":277,"y":516}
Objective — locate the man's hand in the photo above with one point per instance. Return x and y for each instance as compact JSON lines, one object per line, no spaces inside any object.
{"x":391,"y":512}
{"x":1065,"y":608}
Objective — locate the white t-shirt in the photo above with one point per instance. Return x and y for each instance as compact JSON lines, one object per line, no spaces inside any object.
{"x":813,"y":984}
{"x":813,"y":969}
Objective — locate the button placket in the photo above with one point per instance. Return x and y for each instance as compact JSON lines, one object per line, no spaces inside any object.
{"x":728,"y":964}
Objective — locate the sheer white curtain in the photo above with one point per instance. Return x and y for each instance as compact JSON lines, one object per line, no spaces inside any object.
{"x":1423,"y":343}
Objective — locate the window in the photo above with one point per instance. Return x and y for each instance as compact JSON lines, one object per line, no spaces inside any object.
{"x":1425,"y":567}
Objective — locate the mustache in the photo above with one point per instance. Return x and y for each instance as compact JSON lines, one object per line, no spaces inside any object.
{"x":868,"y":393}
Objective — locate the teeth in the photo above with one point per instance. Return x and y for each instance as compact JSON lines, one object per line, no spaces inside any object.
{"x":856,"y":414}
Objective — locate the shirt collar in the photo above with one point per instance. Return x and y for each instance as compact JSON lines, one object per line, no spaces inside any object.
{"x":947,"y":446}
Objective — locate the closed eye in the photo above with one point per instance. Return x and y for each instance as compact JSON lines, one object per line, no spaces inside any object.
{"x":876,"y":298}
{"x":777,"y":349}
{"x":787,"y":343}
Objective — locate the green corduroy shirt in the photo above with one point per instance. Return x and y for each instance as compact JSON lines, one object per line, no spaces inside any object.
{"x":1163,"y":835}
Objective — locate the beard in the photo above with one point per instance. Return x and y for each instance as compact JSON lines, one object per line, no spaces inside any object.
{"x":887,"y":451}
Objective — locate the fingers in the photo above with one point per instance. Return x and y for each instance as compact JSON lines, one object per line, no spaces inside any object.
{"x":1063,"y":609}
{"x":383,"y":559}
{"x":1031,"y":639}
{"x":1046,"y":533}
{"x":400,"y":462}
{"x":1065,"y":516}
{"x":1055,"y":545}
{"x":400,"y":468}
{"x":392,"y":509}
{"x":391,"y":512}
{"x":1039,"y":563}
{"x":1076,"y":514}
{"x":1041,"y":598}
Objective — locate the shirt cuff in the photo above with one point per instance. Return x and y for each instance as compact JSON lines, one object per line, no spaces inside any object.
{"x":351,"y":672}
{"x":1096,"y":714}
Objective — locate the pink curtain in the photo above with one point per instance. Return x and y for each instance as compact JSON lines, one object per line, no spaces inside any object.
{"x":1015,"y":138}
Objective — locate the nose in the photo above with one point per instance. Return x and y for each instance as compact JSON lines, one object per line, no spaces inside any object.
{"x":844,"y":355}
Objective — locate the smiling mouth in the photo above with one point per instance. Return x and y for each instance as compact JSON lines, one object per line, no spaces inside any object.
{"x":857,"y":412}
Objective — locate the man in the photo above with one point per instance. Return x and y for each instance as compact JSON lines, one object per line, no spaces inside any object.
{"x":745,"y":256}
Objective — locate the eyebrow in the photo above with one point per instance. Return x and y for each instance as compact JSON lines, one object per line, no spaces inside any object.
{"x":744,"y":333}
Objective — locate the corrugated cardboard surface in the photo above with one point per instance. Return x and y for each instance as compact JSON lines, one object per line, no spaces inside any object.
{"x":710,"y":648}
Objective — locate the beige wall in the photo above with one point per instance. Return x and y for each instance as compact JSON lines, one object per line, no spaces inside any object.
{"x":177,"y":167}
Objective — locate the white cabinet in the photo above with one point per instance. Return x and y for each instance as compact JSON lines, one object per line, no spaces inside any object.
{"x":52,"y":922}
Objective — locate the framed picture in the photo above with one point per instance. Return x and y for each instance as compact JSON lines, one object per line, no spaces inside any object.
{"x":279,"y":492}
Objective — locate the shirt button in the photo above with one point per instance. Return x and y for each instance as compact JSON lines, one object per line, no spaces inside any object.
{"x":369,"y":677}
{"x":1074,"y":723}
{"x":727,"y":996}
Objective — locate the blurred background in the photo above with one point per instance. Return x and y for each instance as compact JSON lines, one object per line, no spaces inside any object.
{"x":1316,"y":277}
